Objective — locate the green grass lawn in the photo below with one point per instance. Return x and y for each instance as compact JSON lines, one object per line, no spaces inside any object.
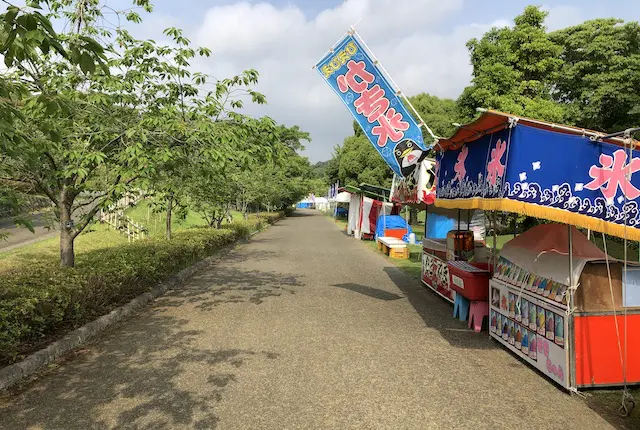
{"x":96,"y":237}
{"x":100,"y":236}
{"x":155,"y":222}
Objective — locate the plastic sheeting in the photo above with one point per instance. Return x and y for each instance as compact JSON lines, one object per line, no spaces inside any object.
{"x":392,"y":222}
{"x":354,"y":214}
{"x":440,"y":221}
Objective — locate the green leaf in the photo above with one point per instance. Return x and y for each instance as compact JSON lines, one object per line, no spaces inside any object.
{"x":86,"y":63}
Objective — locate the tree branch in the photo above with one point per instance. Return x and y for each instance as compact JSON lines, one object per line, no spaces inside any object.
{"x":86,"y":219}
{"x":88,"y":202}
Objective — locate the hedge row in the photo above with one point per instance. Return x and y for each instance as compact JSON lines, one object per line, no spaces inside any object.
{"x":44,"y":299}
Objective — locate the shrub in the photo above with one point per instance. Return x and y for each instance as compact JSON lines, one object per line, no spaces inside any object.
{"x":271,"y":217}
{"x":44,"y":299}
{"x":244,"y":228}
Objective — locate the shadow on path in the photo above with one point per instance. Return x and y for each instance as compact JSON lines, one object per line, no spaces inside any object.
{"x":437,"y":313}
{"x":139,"y":371}
{"x":369,"y":291}
{"x":222,"y":285}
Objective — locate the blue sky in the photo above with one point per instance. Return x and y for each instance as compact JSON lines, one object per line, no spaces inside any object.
{"x":420,"y":42}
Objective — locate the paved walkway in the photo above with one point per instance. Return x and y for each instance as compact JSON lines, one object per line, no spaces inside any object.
{"x":18,"y":236}
{"x":302,"y":328}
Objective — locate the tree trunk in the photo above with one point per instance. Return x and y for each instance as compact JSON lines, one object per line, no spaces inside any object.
{"x":413,"y":217}
{"x":67,"y":254}
{"x":169,"y":210}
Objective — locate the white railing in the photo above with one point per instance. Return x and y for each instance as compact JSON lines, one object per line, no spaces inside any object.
{"x":115,"y":217}
{"x":125,"y":225}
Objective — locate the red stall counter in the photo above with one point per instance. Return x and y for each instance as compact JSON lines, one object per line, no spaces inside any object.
{"x":469,"y":280}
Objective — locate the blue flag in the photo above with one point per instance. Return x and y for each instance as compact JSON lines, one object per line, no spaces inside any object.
{"x":375,"y":105}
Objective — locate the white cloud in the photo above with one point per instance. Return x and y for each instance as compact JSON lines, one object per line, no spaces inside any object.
{"x":407,"y":36}
{"x":563,"y":16}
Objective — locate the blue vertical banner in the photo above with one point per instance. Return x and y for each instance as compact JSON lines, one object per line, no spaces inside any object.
{"x":374,"y":103}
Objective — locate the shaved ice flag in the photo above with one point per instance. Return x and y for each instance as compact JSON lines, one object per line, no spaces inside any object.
{"x":375,"y":105}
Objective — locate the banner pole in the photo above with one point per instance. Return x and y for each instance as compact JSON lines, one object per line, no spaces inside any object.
{"x":388,"y":76}
{"x":330,"y":50}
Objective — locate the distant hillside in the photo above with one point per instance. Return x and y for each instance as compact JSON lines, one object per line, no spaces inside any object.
{"x":319,"y":168}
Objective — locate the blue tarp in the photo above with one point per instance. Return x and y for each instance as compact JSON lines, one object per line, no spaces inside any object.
{"x":392,"y":222}
{"x":439,"y":225}
{"x":304,"y":205}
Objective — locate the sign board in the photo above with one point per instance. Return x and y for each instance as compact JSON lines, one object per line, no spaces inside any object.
{"x":374,"y":103}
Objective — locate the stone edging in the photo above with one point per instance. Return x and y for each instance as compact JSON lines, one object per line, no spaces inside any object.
{"x":14,"y":373}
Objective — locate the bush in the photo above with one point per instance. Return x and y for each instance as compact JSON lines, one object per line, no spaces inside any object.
{"x":46,"y":299}
{"x":271,"y":217}
{"x":244,"y":228}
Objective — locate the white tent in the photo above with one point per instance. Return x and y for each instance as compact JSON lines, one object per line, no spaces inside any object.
{"x":343,"y":197}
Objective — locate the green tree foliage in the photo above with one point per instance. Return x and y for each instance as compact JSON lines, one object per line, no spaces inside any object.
{"x":88,"y":121}
{"x":439,"y":114}
{"x":586,"y":75}
{"x":599,"y":81}
{"x":360,"y":162}
{"x":513,"y":70}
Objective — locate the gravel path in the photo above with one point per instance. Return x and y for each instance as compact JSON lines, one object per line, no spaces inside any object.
{"x":301,"y":328}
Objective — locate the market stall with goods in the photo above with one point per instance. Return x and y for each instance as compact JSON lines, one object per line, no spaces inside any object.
{"x":556,"y":300}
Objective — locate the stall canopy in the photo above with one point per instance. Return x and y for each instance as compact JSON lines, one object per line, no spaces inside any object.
{"x":544,"y":250}
{"x":368,"y":190}
{"x":564,"y":174}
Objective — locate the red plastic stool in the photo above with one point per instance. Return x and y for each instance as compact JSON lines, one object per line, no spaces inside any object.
{"x":477,"y":312}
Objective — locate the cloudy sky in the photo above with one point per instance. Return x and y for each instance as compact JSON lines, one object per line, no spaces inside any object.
{"x":420,"y":42}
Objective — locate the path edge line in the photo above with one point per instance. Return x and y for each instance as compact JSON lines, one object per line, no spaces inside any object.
{"x":14,"y":373}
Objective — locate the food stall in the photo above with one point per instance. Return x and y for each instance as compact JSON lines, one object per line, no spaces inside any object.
{"x":442,"y":254}
{"x":556,"y":300}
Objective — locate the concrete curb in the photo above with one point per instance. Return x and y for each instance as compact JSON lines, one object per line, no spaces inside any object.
{"x":14,"y":373}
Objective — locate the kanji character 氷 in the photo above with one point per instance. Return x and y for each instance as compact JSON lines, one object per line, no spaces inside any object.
{"x":613,"y":173}
{"x":459,"y":168}
{"x":348,"y":80}
{"x":372,"y":103}
{"x":495,"y":168}
{"x":391,"y":127}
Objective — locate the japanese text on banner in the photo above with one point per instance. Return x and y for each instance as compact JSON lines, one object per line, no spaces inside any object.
{"x":372,"y":101}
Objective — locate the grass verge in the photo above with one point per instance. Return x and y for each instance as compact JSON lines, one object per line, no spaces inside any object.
{"x":40,"y":302}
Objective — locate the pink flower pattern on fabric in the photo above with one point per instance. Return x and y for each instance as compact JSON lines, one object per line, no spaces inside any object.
{"x":459,"y":168}
{"x":495,"y":168}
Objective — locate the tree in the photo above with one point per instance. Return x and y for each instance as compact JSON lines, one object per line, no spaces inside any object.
{"x":600,"y":75}
{"x":361,"y":163}
{"x":439,"y":114}
{"x":513,"y":70}
{"x":76,"y":136}
{"x":98,"y":123}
